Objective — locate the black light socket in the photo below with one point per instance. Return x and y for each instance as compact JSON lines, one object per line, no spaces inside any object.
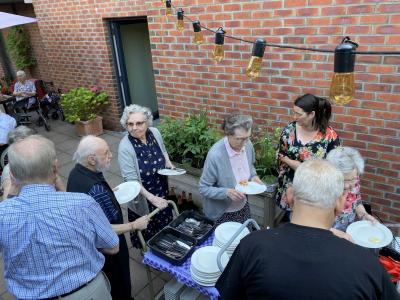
{"x":180,"y":14}
{"x":196,"y":26}
{"x":345,"y":57}
{"x":259,"y":48}
{"x":168,"y":3}
{"x":220,"y":36}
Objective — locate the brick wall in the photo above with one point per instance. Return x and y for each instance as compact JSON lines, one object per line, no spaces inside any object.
{"x":75,"y":38}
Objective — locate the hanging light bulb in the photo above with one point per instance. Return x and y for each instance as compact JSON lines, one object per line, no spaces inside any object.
{"x":218,"y":53}
{"x":198,"y":34}
{"x":342,"y":86}
{"x":254,"y":66}
{"x":180,"y":25}
{"x":168,"y":10}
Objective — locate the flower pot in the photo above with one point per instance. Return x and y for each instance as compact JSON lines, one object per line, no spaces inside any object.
{"x":93,"y":127}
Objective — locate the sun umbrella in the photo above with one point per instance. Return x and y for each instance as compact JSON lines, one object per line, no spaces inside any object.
{"x":9,"y":20}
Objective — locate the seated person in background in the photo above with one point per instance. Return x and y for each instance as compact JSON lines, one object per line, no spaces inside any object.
{"x":349,"y":161}
{"x":51,"y":241}
{"x":24,"y":88}
{"x":93,"y":156}
{"x":7,"y":123}
{"x":304,"y":259}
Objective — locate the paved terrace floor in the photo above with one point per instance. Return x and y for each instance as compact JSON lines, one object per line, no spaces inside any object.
{"x":64,"y":137}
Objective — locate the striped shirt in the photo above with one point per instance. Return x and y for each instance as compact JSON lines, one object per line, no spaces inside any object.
{"x":100,"y":194}
{"x":49,"y":241}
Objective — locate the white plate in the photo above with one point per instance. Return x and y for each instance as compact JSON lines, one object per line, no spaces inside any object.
{"x":369,"y":235}
{"x":226,"y":230}
{"x":252,"y":188}
{"x":127,"y":191}
{"x":171,"y":172}
{"x":204,"y":259}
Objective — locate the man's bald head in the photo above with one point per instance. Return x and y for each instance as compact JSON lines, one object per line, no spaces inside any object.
{"x":32,"y":160}
{"x":91,"y":152}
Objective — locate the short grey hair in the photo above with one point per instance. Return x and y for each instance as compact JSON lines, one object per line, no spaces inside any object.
{"x":32,"y":159}
{"x":235,"y":121}
{"x":346,"y":159}
{"x":87,"y":146}
{"x":134,"y":108}
{"x":318,"y":183}
{"x":19,"y":133}
{"x":21,"y":73}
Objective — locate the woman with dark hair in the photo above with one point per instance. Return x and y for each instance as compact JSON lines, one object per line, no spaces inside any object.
{"x":309,"y":136}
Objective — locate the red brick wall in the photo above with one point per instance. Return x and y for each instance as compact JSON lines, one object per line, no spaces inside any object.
{"x":75,"y":37}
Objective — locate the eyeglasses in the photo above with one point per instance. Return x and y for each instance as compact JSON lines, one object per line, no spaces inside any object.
{"x":138,"y":124}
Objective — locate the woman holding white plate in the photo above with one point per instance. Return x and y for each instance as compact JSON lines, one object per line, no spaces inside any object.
{"x":349,"y":161}
{"x":141,"y":154}
{"x":230,"y":164}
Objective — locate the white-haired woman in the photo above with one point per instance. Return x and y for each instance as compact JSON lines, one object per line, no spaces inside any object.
{"x":349,"y":161}
{"x":141,"y":154}
{"x":229,"y":162}
{"x":24,"y":88}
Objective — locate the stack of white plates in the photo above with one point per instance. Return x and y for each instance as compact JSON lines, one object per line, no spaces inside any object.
{"x":204,"y":268}
{"x":225,"y":231}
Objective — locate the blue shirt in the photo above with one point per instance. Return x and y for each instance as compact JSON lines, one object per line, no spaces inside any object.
{"x":100,"y":194}
{"x":7,"y":123}
{"x":50,"y":239}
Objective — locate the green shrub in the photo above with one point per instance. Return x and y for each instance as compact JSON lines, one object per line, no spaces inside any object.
{"x":81,"y":104}
{"x":19,"y":47}
{"x":189,"y":140}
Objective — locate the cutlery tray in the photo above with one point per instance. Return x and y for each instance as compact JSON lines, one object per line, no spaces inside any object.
{"x":198,"y":217}
{"x":152,"y":243}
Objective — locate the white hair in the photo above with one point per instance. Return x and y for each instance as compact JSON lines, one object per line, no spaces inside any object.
{"x":318,"y":183}
{"x":134,"y":108}
{"x":346,"y":159}
{"x":87,"y":146}
{"x":32,"y":159}
{"x":235,"y":121}
{"x":21,"y":73}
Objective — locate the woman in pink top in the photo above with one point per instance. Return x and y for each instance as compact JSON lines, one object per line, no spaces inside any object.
{"x":229,"y":162}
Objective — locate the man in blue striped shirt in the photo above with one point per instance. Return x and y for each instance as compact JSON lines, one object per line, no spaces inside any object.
{"x":51,"y":241}
{"x":93,"y":156}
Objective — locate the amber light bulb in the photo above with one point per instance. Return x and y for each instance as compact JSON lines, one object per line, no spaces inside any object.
{"x":342,"y":88}
{"x":198,"y":34}
{"x":218,"y":53}
{"x":254,"y":67}
{"x":168,"y":8}
{"x":180,"y":25}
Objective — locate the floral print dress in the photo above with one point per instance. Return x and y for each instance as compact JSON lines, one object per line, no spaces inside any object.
{"x":291,"y":147}
{"x":348,"y":215}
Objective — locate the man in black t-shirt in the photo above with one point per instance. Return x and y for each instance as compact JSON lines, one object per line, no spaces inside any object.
{"x":303,"y":259}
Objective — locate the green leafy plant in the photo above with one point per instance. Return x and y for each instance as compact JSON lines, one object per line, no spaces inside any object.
{"x":189,"y":140}
{"x":19,"y":46}
{"x":81,"y":104}
{"x":266,"y":159}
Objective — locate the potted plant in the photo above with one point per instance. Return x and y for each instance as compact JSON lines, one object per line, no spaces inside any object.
{"x":82,"y":106}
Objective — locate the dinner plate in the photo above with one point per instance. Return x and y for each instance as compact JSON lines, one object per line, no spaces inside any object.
{"x":171,"y":172}
{"x":251,"y":188}
{"x":226,"y":230}
{"x":204,"y":259}
{"x":369,"y":235}
{"x":127,"y":191}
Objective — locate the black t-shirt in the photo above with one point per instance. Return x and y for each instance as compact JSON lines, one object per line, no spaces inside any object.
{"x":298,"y":262}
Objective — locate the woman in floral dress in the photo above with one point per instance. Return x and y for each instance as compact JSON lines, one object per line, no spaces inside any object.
{"x":309,"y":136}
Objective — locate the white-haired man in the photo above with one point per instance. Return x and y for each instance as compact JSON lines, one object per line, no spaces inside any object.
{"x":304,"y":259}
{"x":51,"y":240}
{"x":92,"y":157}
